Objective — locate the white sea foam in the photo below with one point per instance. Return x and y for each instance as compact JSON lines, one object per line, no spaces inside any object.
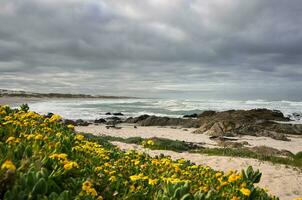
{"x":92,"y":109}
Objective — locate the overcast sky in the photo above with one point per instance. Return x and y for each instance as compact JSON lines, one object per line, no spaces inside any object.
{"x":232,"y":49}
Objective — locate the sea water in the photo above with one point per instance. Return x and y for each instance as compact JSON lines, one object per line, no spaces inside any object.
{"x":90,"y":109}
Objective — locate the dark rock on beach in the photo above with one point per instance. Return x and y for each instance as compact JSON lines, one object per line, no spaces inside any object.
{"x":146,"y":120}
{"x":108,"y":113}
{"x":100,"y":121}
{"x":69,"y":122}
{"x":78,"y":122}
{"x":195,"y":115}
{"x":118,"y":114}
{"x":113,"y":120}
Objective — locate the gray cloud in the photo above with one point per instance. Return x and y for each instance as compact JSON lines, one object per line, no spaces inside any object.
{"x":206,"y":49}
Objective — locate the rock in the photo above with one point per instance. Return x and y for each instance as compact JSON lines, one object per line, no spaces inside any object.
{"x":134,"y":126}
{"x":114,"y":118}
{"x":207,"y":113}
{"x":136,"y":119}
{"x":99,"y":121}
{"x":256,"y":122}
{"x":69,"y":122}
{"x":80,"y":122}
{"x":147,"y":120}
{"x":191,"y":116}
{"x":49,"y":115}
{"x":118,"y":114}
{"x":108,"y":113}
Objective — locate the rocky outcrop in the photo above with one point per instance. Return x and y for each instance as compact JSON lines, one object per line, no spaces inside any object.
{"x":256,"y":122}
{"x":78,"y":122}
{"x":100,"y":121}
{"x":146,"y":120}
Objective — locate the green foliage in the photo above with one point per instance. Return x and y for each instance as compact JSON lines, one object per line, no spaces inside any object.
{"x":41,"y":158}
{"x":251,"y":176}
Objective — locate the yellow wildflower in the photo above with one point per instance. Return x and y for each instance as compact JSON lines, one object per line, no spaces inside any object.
{"x":150,"y":142}
{"x":218,"y":174}
{"x":39,"y":137}
{"x":79,"y":137}
{"x":235,"y":198}
{"x":70,"y":126}
{"x":138,"y":177}
{"x":70,"y":165}
{"x":55,"y":117}
{"x":99,"y":198}
{"x":59,"y":156}
{"x":87,"y":187}
{"x":112,"y":178}
{"x":152,"y":181}
{"x":10,"y":140}
{"x":245,"y":191}
{"x":8,"y":165}
{"x":233,"y":178}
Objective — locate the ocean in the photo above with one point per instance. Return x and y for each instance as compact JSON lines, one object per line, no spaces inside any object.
{"x":90,"y":109}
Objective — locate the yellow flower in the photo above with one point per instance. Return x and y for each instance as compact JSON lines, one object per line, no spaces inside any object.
{"x":150,"y":142}
{"x":70,"y":165}
{"x":70,"y":126}
{"x":235,"y":198}
{"x":152,"y":181}
{"x":138,"y":177}
{"x":99,"y":198}
{"x":8,"y":165}
{"x":245,"y":191}
{"x":112,"y":178}
{"x":87,"y":187}
{"x":233,"y":178}
{"x":79,"y":137}
{"x":299,"y":198}
{"x":218,"y":174}
{"x":55,"y":117}
{"x":86,"y":184}
{"x":10,"y":140}
{"x":38,"y":137}
{"x":59,"y":156}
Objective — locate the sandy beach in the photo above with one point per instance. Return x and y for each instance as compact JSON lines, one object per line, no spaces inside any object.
{"x":177,"y":133}
{"x":280,"y":180}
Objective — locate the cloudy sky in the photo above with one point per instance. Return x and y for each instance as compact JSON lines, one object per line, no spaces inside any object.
{"x":232,"y":49}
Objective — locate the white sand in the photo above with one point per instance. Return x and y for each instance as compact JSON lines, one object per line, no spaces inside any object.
{"x":280,"y":180}
{"x":294,"y":146}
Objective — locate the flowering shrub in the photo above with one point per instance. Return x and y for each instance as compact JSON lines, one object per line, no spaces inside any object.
{"x":41,"y":158}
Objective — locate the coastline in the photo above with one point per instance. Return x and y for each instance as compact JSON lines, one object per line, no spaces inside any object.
{"x":17,"y":101}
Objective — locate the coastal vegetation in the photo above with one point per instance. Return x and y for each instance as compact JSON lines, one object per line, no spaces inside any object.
{"x":41,"y":158}
{"x":294,"y":160}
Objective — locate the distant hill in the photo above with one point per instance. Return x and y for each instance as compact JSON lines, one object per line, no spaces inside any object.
{"x":18,"y":93}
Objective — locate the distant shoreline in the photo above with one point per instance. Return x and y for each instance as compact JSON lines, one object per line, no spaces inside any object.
{"x":14,"y":97}
{"x":19,"y":100}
